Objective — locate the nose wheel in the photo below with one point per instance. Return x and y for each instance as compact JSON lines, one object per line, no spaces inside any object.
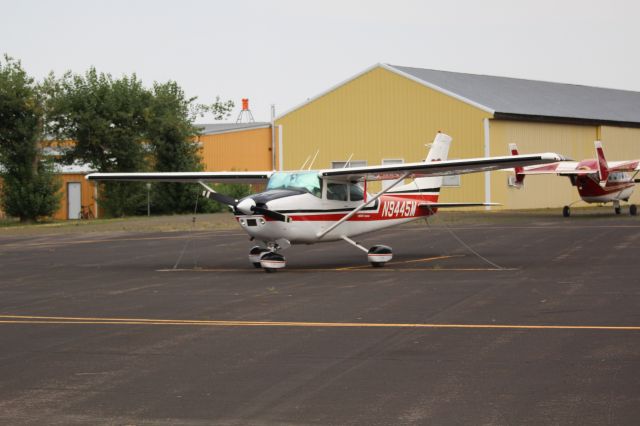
{"x":266,"y":258}
{"x":272,"y":261}
{"x":254,"y":255}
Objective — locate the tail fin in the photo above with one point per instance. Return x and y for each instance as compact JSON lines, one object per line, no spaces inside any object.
{"x":603,"y":168}
{"x":518,"y":180}
{"x":439,"y":148}
{"x":439,"y":152}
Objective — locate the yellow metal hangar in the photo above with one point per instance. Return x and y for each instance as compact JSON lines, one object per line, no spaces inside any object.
{"x":387,"y":113}
{"x":235,"y":146}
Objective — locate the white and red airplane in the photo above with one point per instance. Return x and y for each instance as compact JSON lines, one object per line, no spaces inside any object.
{"x":597,"y":180}
{"x":306,"y":207}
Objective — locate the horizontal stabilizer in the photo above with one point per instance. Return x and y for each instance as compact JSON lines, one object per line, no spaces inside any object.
{"x":446,"y":205}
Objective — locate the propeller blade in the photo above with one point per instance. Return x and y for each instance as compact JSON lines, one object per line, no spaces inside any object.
{"x":270,"y":213}
{"x":221,"y":198}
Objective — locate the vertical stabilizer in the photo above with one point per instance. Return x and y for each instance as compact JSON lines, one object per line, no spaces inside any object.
{"x":603,"y":168}
{"x":518,"y":180}
{"x":439,"y":152}
{"x":439,"y":148}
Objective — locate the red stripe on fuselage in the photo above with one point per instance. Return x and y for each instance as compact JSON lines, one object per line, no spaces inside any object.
{"x":390,"y":207}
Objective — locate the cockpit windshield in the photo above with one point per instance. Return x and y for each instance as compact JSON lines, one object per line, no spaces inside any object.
{"x":305,"y":181}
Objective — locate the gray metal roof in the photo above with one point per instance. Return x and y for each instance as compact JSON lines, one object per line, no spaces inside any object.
{"x":519,"y":98}
{"x":213,"y":128}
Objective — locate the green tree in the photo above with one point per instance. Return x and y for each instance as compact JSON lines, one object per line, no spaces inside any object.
{"x":172,"y":137}
{"x":107,"y":120}
{"x":233,"y":190}
{"x":118,"y":125}
{"x":29,"y":189}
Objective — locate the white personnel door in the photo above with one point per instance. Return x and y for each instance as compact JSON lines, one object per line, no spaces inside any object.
{"x":74,"y":200}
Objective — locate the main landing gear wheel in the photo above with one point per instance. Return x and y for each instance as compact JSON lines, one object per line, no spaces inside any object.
{"x":379,"y":255}
{"x":272,"y":261}
{"x":633,"y":210}
{"x":617,"y":209}
{"x":566,"y":212}
{"x":254,"y":255}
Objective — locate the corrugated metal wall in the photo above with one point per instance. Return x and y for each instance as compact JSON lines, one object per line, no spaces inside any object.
{"x":573,"y":141}
{"x":238,"y":151}
{"x":621,"y":143}
{"x":381,"y":115}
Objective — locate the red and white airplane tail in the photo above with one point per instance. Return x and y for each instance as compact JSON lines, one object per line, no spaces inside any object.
{"x":439,"y":152}
{"x":519,"y":175}
{"x":603,"y":167}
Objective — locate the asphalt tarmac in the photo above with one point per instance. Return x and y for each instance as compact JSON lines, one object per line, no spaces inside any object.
{"x":530,"y":321}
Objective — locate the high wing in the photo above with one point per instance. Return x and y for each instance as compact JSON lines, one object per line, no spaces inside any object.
{"x":567,"y":168}
{"x":561,"y":168}
{"x":624,"y":166}
{"x":194,"y":177}
{"x":440,"y":168}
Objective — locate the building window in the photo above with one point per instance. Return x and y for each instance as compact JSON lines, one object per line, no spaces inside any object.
{"x":387,"y":162}
{"x":452,"y":180}
{"x":352,"y":163}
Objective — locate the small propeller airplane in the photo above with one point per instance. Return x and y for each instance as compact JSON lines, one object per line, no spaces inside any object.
{"x":306,"y":207}
{"x":597,"y":180}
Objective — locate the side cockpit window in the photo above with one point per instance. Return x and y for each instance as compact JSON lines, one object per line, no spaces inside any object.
{"x":344,"y":191}
{"x":337,"y":191}
{"x":356,"y":192}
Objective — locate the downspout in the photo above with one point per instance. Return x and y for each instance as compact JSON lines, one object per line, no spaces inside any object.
{"x":487,"y":153}
{"x":280,"y":153}
{"x":273,"y":137}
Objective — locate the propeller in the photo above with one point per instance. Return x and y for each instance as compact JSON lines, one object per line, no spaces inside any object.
{"x":271,"y":214}
{"x":221,"y":198}
{"x":246,"y":206}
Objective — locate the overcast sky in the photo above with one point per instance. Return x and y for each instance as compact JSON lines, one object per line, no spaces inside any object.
{"x":283,"y":52}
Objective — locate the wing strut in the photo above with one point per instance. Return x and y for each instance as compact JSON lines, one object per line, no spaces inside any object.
{"x":362,"y":206}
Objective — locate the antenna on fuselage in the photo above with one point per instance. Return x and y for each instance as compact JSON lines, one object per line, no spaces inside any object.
{"x":305,"y":162}
{"x":314,"y":159}
{"x":346,"y":164}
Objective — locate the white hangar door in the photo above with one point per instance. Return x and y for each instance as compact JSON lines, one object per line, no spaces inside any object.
{"x":74,"y":200}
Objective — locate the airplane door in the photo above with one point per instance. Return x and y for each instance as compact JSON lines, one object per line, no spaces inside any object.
{"x":74,"y":200}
